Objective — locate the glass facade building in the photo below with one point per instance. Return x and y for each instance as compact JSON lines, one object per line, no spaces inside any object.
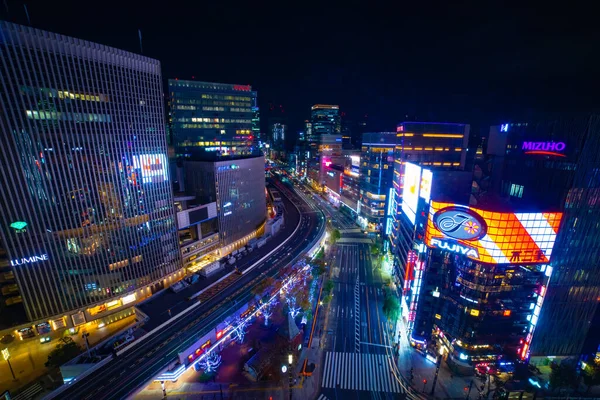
{"x":86,"y":210}
{"x":213,"y":119}
{"x":556,"y":163}
{"x":376,"y":171}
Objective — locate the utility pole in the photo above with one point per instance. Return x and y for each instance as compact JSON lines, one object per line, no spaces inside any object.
{"x":437,"y":371}
{"x":469,"y":391}
{"x":84,"y":336}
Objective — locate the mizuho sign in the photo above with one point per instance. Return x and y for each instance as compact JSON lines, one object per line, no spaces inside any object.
{"x":28,"y":260}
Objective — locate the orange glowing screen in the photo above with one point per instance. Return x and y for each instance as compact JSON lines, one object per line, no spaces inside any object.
{"x":510,"y":238}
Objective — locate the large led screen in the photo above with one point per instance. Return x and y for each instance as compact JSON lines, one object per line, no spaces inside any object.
{"x":492,"y":237}
{"x":153,"y":167}
{"x":410,"y":190}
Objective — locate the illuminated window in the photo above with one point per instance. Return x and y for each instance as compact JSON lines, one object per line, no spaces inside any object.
{"x":516,"y":190}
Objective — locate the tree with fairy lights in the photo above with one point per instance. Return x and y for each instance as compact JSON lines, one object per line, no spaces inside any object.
{"x":211,"y":362}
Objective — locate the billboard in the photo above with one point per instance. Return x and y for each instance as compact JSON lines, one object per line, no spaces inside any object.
{"x":492,"y":237}
{"x":410,"y":190}
{"x":426,"y":179}
{"x":153,"y":167}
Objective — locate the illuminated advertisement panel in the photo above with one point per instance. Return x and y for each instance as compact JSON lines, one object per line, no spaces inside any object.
{"x":153,"y":167}
{"x":410,"y":191}
{"x":426,"y":179}
{"x":492,"y":237}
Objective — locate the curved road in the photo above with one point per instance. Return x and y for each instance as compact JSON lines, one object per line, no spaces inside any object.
{"x":133,"y":369}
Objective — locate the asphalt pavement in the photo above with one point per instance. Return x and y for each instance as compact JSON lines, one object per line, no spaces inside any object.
{"x":136,"y":367}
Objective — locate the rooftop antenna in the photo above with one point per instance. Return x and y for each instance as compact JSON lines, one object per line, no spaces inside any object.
{"x":7,"y":12}
{"x":140,"y":36}
{"x":27,"y":14}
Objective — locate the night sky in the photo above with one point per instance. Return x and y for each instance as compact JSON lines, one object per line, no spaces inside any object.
{"x":472,"y":62}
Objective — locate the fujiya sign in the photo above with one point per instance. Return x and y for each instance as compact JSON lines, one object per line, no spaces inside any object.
{"x":29,"y":260}
{"x":455,"y":248}
{"x":548,"y":148}
{"x":460,"y":223}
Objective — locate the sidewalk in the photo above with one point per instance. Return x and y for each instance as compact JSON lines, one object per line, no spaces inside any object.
{"x":29,"y":356}
{"x":448,"y":385}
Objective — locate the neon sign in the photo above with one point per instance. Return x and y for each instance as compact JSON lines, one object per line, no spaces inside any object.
{"x":544,"y":148}
{"x":245,"y":88}
{"x":29,"y":260}
{"x":504,"y":128}
{"x":455,"y":248}
{"x":460,"y":223}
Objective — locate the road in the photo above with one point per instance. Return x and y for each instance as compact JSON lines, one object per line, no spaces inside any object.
{"x":133,"y":369}
{"x":358,"y":361}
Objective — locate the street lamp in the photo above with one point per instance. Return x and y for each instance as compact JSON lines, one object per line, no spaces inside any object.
{"x":6,"y":355}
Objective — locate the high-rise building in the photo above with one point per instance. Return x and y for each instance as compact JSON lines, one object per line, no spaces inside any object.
{"x":531,"y":271}
{"x":325,"y":120}
{"x":87,"y":220}
{"x":555,"y":164}
{"x":436,"y":145}
{"x":210,"y":120}
{"x":238,"y":188}
{"x":476,"y":278}
{"x":376,"y":206}
{"x":278,"y":131}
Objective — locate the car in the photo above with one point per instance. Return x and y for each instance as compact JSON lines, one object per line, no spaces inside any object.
{"x":45,"y":339}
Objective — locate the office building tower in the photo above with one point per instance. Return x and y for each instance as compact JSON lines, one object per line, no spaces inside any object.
{"x":238,"y":188}
{"x":87,"y":220}
{"x":278,"y":131}
{"x":325,"y":120}
{"x":435,"y":145}
{"x":554,"y":164}
{"x":212,"y":120}
{"x":376,"y":204}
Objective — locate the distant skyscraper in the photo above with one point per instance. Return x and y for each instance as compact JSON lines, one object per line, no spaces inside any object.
{"x":325,"y":120}
{"x":376,"y":172}
{"x":213,"y":119}
{"x":256,"y":124}
{"x":86,"y":217}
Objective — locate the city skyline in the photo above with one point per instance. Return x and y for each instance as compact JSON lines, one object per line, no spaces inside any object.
{"x":433,"y":233}
{"x":480,"y":68}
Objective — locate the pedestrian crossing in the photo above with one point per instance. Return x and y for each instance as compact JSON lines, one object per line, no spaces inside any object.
{"x":359,"y":371}
{"x":322,"y":397}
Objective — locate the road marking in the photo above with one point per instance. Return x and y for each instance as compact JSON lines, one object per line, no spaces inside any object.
{"x":357,"y":316}
{"x":355,"y":371}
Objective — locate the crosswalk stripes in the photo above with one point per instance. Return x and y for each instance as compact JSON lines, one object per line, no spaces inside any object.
{"x":322,"y":397}
{"x":29,"y":393}
{"x":359,"y":371}
{"x":357,"y":316}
